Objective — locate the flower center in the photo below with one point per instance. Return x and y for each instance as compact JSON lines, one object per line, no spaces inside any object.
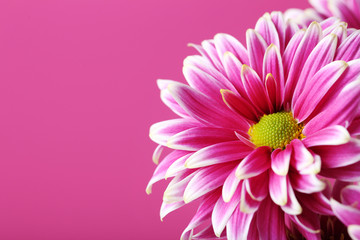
{"x":276,"y":130}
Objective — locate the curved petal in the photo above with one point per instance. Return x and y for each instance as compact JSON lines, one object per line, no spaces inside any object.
{"x":256,"y":46}
{"x":347,"y":214}
{"x":237,"y":228}
{"x":280,"y":160}
{"x":333,"y":135}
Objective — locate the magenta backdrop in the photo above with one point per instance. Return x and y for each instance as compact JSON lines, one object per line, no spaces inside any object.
{"x":77,"y":97}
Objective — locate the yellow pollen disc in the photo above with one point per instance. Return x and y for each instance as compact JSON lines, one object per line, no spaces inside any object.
{"x":276,"y":130}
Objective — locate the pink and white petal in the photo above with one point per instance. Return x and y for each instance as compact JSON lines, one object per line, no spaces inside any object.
{"x":291,"y":29}
{"x":206,"y":110}
{"x":320,"y":56}
{"x":238,"y":226}
{"x":227,"y":43}
{"x":239,"y":105}
{"x":340,"y":155}
{"x":349,"y":48}
{"x":255,"y":163}
{"x":316,"y":202}
{"x":204,"y":82}
{"x":278,"y":188}
{"x":271,"y":91}
{"x":301,"y":157}
{"x":307,"y":220}
{"x":210,"y":48}
{"x":306,"y":183}
{"x":256,"y":46}
{"x":223,"y":211}
{"x":341,"y":112}
{"x":341,"y":9}
{"x":203,"y":213}
{"x":312,"y":36}
{"x":161,"y":169}
{"x":266,"y":28}
{"x":354,"y":128}
{"x":255,"y":89}
{"x":348,"y":173}
{"x":218,"y":153}
{"x":177,"y":167}
{"x":167,"y":208}
{"x":258,"y":191}
{"x":206,"y":180}
{"x":157,"y":154}
{"x":273,"y":64}
{"x":230,"y":185}
{"x":207,"y":234}
{"x":245,"y":139}
{"x":292,"y":206}
{"x":232,"y":67}
{"x":321,"y":6}
{"x":333,"y":135}
{"x":280,"y":160}
{"x":347,"y":214}
{"x":354,"y":231}
{"x":279,"y":22}
{"x":175,"y":190}
{"x":316,"y":88}
{"x":273,"y":229}
{"x":350,"y":195}
{"x":328,"y":22}
{"x":247,"y":203}
{"x":196,"y":138}
{"x":161,"y":132}
{"x":313,"y":168}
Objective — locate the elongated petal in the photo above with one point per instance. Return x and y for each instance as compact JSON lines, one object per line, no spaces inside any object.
{"x":177,"y":166}
{"x":348,"y":173}
{"x":157,"y":154}
{"x":232,"y":67}
{"x":227,"y":43}
{"x":218,"y":153}
{"x":238,"y":225}
{"x":256,"y":46}
{"x":316,"y":202}
{"x":307,"y":220}
{"x":247,"y":203}
{"x":239,"y":105}
{"x":306,"y":183}
{"x":354,"y":231}
{"x":333,"y":135}
{"x":347,"y":214}
{"x":167,"y":208}
{"x":206,"y":180}
{"x":258,"y":191}
{"x":255,"y":163}
{"x":175,"y":190}
{"x":292,"y":205}
{"x":205,"y":109}
{"x":266,"y":28}
{"x":161,"y":132}
{"x":275,"y":228}
{"x":349,"y":49}
{"x":278,"y":188}
{"x":280,"y":160}
{"x":301,"y":156}
{"x":196,"y":138}
{"x":350,"y":195}
{"x":339,"y":156}
{"x":223,"y":211}
{"x":230,"y":185}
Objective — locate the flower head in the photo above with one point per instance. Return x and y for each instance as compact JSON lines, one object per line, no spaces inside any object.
{"x":259,"y":127}
{"x":346,"y":10}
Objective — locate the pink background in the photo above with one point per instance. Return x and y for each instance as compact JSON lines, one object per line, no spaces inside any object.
{"x":77,"y":97}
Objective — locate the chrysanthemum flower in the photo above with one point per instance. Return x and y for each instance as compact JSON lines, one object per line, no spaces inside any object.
{"x":346,"y":10}
{"x":348,"y":209}
{"x":259,"y":126}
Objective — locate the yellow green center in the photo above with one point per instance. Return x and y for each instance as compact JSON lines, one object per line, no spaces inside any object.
{"x":276,"y":130}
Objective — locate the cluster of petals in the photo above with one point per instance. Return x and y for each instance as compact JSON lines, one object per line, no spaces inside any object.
{"x":347,"y":10}
{"x":250,"y":192}
{"x":346,"y":206}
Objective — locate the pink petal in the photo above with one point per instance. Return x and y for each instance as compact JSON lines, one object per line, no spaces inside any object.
{"x":157,"y":154}
{"x":196,"y":138}
{"x":256,"y":46}
{"x":348,"y":173}
{"x":349,"y":48}
{"x":279,"y":22}
{"x":354,"y":231}
{"x":205,"y":109}
{"x":280,"y":160}
{"x":177,"y":166}
{"x":273,"y":64}
{"x":207,"y":233}
{"x":239,"y":105}
{"x":255,"y":163}
{"x":161,"y":132}
{"x":347,"y":214}
{"x":238,"y":225}
{"x":210,"y":48}
{"x":308,"y":221}
{"x":306,"y":183}
{"x":167,"y":208}
{"x":316,"y":87}
{"x":218,"y":153}
{"x":301,"y":158}
{"x":340,"y":155}
{"x":175,"y":190}
{"x":230,"y":185}
{"x":223,"y":211}
{"x":278,"y":188}
{"x":247,"y":203}
{"x":316,"y":202}
{"x":232,"y":66}
{"x":333,"y":135}
{"x":227,"y":43}
{"x":266,"y":28}
{"x":255,"y":89}
{"x":292,"y":205}
{"x":350,"y":195}
{"x":341,"y":112}
{"x":206,"y":180}
{"x":258,"y":191}
{"x":291,"y":49}
{"x":307,"y":44}
{"x":274,"y":228}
